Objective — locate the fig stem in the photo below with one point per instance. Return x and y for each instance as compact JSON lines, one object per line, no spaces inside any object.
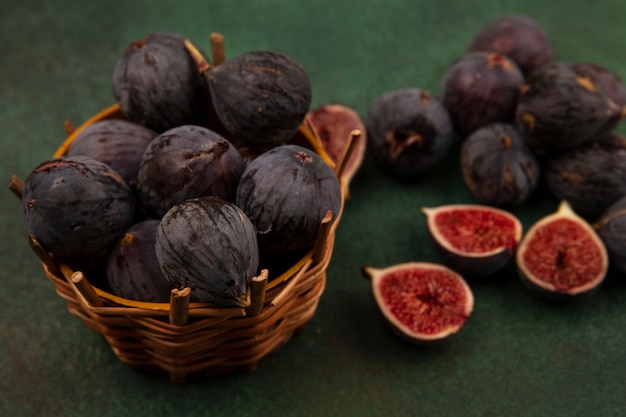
{"x":16,"y":185}
{"x":179,"y":306}
{"x":200,"y":61}
{"x":86,"y":290}
{"x":217,"y":46}
{"x":342,"y":162}
{"x":258,"y":288}
{"x":69,"y":127}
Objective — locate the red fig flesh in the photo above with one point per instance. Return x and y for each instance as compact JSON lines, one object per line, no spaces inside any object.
{"x":475,"y":240}
{"x":423,"y":302}
{"x":562,"y":255}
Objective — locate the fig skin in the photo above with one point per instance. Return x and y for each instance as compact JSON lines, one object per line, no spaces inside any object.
{"x":116,"y":142}
{"x":517,"y":36}
{"x":157,"y":84}
{"x":484,"y":238}
{"x":481,"y":88}
{"x":608,"y":79}
{"x":132,"y":269}
{"x":286,"y":192}
{"x":409,"y":132}
{"x":186,"y":162}
{"x":437,"y":299}
{"x":611,"y":227}
{"x":498,"y":167}
{"x":260,"y":97}
{"x":209,"y":245}
{"x":561,"y":107}
{"x":76,"y":206}
{"x":568,"y":251}
{"x":334,"y":124}
{"x":590,"y":177}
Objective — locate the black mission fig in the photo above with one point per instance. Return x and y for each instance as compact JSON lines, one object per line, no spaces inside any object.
{"x":260,"y":97}
{"x":157,"y":84}
{"x":209,"y":245}
{"x":409,"y":132}
{"x":286,"y":192}
{"x":76,"y":206}
{"x":186,"y":162}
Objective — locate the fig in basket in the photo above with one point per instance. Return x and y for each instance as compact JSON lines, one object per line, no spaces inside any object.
{"x":156,"y":83}
{"x":118,"y":143}
{"x":76,"y":206}
{"x":260,"y":97}
{"x":286,"y":192}
{"x":209,"y":245}
{"x":187,"y":162}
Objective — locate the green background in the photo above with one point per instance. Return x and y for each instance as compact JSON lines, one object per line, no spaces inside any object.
{"x":516,"y":356}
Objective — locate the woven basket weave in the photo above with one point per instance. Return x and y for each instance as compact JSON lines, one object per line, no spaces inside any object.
{"x":192,"y":340}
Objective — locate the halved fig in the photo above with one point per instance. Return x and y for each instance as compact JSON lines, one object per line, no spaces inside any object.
{"x":422,"y":302}
{"x":475,"y":240}
{"x":561,"y":256}
{"x":333,"y":124}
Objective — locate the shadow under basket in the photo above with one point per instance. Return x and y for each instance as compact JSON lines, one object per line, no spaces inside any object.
{"x":188,"y":340}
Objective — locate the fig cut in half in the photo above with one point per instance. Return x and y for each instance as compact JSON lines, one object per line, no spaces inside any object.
{"x":475,"y":240}
{"x":422,"y":302}
{"x":561,"y":255}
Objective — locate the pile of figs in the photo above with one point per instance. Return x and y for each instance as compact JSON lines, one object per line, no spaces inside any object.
{"x":202,"y":182}
{"x":520,"y":117}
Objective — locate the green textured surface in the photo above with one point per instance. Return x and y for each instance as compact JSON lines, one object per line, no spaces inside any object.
{"x":517,"y":355}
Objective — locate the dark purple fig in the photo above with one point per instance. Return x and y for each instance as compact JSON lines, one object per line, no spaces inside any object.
{"x":409,"y":132}
{"x":286,"y":192}
{"x":481,"y":88}
{"x":133,"y":271}
{"x":116,"y":142}
{"x":517,"y":36}
{"x":497,"y":165}
{"x":76,"y":206}
{"x":260,"y":97}
{"x":209,"y":245}
{"x":186,"y":162}
{"x":474,"y":240}
{"x":157,"y":84}
{"x":561,"y":107}
{"x":424,"y":303}
{"x":609,"y":80}
{"x":611,"y":227}
{"x":561,"y":256}
{"x":590,"y":177}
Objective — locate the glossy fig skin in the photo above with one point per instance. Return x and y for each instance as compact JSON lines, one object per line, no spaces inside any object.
{"x":498,"y":167}
{"x":474,"y":240}
{"x":517,"y":36}
{"x":76,"y":206}
{"x":611,"y":227}
{"x":409,"y":132}
{"x":156,"y":83}
{"x":481,"y":88}
{"x":608,"y":79}
{"x":261,"y":97}
{"x":116,"y":142}
{"x":210,"y":246}
{"x":132,"y":268}
{"x":590,"y":177}
{"x":186,"y":162}
{"x":561,"y":107}
{"x":423,"y":303}
{"x":286,"y":192}
{"x":561,"y":257}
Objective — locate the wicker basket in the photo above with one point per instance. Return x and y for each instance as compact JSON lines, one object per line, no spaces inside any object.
{"x":192,"y":340}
